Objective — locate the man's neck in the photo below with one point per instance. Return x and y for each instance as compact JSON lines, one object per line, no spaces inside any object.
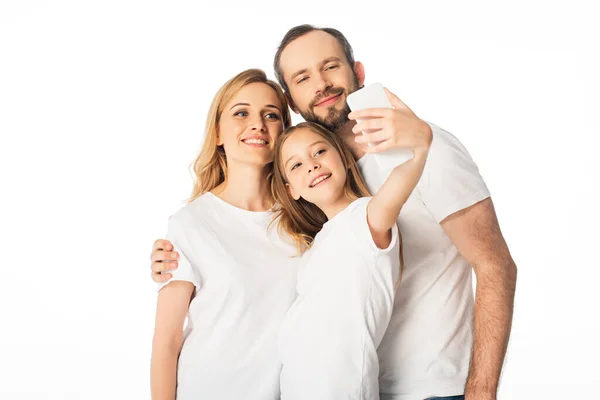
{"x":347,"y":136}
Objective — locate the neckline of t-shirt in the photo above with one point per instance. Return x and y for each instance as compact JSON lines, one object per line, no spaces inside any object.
{"x":238,"y":210}
{"x":361,"y":161}
{"x":350,"y":206}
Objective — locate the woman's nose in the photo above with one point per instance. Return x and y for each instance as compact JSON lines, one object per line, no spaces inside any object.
{"x":257,"y":124}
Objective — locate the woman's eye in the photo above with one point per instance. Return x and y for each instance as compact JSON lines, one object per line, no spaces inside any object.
{"x":241,"y":113}
{"x":273,"y":116}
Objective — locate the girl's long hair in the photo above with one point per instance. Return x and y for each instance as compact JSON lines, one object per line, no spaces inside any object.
{"x":300,"y":219}
{"x":210,"y":167}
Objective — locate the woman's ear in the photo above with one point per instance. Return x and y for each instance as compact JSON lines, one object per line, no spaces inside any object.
{"x":219,"y":140}
{"x":292,"y":192}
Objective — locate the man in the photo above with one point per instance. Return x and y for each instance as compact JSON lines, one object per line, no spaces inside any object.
{"x":440,"y":342}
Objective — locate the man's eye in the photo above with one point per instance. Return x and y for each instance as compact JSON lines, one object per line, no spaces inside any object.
{"x":330,"y":67}
{"x":301,"y":80}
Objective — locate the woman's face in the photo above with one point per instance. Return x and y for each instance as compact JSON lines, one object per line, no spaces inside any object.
{"x":250,"y":124}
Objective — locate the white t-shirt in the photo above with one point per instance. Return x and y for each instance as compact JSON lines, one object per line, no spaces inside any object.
{"x":426,"y":349}
{"x":245,"y":280}
{"x":328,"y":340}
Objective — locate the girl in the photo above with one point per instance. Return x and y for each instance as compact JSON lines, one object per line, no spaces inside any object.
{"x":236,"y":280}
{"x":346,"y":281}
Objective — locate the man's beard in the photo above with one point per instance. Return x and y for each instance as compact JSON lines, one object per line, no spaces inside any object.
{"x":335,"y":118}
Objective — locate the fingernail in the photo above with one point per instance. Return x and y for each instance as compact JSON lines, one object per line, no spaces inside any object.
{"x":172,"y":265}
{"x":173,"y":255}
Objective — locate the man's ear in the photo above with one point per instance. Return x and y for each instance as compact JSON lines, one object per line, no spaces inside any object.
{"x":292,"y":192}
{"x":359,"y":71}
{"x":293,"y":106}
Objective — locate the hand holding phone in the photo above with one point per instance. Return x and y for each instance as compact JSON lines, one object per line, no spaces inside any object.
{"x":373,"y":96}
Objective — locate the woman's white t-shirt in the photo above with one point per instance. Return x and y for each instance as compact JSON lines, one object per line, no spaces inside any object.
{"x":245,"y":278}
{"x":329,"y":338}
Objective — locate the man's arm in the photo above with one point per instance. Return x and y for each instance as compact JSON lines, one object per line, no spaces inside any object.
{"x":476,"y":234}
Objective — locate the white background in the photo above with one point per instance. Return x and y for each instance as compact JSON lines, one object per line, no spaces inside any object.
{"x":102,"y":107}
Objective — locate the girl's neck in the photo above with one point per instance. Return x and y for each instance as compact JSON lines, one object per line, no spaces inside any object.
{"x":334,"y":208}
{"x":246,"y":187}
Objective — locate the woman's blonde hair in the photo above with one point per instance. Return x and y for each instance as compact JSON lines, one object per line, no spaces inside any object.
{"x":298,"y":218}
{"x":210,"y":167}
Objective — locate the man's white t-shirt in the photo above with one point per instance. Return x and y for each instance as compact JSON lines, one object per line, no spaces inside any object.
{"x":426,"y":349}
{"x":245,"y":278}
{"x":329,"y":338}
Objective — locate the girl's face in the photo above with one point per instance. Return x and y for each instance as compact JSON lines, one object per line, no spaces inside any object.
{"x":250,"y":124}
{"x":313,"y":168}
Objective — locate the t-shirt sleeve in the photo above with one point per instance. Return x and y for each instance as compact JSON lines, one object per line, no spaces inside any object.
{"x":360,"y":225}
{"x":186,"y":271}
{"x":451,"y":181}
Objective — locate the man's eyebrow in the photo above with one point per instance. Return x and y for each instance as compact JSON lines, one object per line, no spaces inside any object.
{"x":330,"y":59}
{"x":294,"y":75}
{"x":325,"y":61}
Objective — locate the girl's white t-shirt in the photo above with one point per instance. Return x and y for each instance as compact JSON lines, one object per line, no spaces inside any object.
{"x":245,"y":278}
{"x":329,"y":338}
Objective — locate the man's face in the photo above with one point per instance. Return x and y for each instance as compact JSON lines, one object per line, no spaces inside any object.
{"x":320,"y":79}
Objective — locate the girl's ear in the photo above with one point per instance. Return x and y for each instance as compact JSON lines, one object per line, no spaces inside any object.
{"x":292,"y":192}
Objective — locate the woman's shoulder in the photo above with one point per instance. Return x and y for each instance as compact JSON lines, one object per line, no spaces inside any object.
{"x":198,"y":210}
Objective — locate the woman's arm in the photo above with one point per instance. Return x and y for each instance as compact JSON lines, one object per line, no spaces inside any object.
{"x":171,"y":310}
{"x":385,"y":206}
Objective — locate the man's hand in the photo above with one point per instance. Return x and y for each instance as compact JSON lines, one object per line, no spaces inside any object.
{"x":163,"y":259}
{"x":390,"y":128}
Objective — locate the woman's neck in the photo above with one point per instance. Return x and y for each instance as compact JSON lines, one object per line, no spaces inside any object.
{"x":246,"y":187}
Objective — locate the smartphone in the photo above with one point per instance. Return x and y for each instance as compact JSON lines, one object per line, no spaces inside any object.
{"x":373,"y":96}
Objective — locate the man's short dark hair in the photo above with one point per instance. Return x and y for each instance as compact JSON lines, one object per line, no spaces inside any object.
{"x":302,"y":30}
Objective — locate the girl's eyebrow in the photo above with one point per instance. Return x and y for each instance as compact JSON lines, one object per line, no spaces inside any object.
{"x":311,"y":145}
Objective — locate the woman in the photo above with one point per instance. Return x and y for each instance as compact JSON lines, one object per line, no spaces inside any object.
{"x":236,"y":278}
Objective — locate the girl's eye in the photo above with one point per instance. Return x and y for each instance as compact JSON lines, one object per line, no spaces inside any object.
{"x":241,"y":113}
{"x":296,"y":166}
{"x":319,"y":152}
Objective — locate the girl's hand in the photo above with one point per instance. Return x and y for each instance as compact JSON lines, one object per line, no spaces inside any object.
{"x":390,"y":128}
